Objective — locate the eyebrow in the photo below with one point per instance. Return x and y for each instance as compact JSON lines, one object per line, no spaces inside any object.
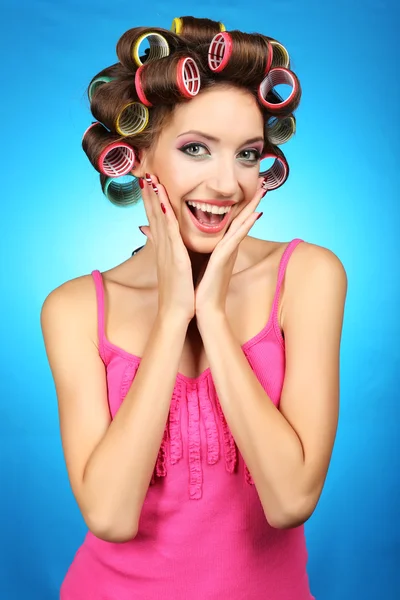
{"x":214,"y":139}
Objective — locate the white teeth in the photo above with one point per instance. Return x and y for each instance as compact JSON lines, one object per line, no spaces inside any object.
{"x":217,"y":210}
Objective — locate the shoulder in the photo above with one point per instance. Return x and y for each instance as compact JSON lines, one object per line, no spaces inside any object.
{"x":311,"y":261}
{"x":314,"y":274}
{"x":74,"y":299}
{"x":71,"y":290}
{"x":304,"y":257}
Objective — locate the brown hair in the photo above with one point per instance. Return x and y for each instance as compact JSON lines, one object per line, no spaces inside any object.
{"x":133,"y":114}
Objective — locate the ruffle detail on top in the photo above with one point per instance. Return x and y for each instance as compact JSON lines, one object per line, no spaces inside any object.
{"x":202,"y":403}
{"x":127,"y":378}
{"x":231,"y":449}
{"x":196,"y":472}
{"x":201,"y":400}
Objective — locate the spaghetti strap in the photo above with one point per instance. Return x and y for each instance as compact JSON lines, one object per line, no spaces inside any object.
{"x":98,"y":282}
{"x":281,"y":273}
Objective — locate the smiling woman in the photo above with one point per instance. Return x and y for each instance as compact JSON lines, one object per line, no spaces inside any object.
{"x":197,"y":382}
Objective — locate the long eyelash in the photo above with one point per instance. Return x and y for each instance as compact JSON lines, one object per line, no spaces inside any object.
{"x":189,"y":146}
{"x":183,"y":148}
{"x":257,"y":152}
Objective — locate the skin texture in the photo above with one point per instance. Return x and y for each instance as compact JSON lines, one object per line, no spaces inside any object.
{"x":224,"y":170}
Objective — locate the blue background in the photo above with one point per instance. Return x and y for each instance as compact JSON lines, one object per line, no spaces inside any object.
{"x":342,"y":193}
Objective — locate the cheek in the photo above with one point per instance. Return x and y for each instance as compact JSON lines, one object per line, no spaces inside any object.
{"x":178,"y":181}
{"x":174,"y":183}
{"x":180,"y":171}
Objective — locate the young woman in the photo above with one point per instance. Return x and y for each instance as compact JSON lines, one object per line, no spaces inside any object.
{"x":198,"y":381}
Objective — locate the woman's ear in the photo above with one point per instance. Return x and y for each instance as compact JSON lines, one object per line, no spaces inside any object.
{"x":139,"y":168}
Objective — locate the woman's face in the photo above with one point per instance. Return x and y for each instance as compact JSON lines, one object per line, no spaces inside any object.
{"x":191,"y":166}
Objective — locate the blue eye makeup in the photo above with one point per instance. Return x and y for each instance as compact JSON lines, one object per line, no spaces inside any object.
{"x":186,"y":147}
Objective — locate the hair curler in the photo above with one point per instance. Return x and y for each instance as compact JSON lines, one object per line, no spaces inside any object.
{"x":187,"y":79}
{"x":121,"y":193}
{"x":278,"y":173}
{"x":276,"y":76}
{"x":108,"y":154}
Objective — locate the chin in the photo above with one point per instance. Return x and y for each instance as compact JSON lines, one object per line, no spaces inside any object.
{"x":202,"y":244}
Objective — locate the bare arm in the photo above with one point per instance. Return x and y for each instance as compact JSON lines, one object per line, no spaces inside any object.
{"x":119,"y":471}
{"x":110,"y":462}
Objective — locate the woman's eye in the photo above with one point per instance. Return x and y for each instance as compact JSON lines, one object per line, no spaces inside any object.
{"x":185,"y":149}
{"x":256,"y":153}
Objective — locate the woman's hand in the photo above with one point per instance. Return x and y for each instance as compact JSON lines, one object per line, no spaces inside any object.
{"x":212,"y":285}
{"x":174,"y":269}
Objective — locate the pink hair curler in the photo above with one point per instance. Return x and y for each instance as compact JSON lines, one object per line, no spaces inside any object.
{"x":188,"y":77}
{"x":116,"y":159}
{"x":275,"y":77}
{"x":90,"y":126}
{"x":277,"y":174}
{"x":139,"y":89}
{"x":220,"y":52}
{"x":187,"y":80}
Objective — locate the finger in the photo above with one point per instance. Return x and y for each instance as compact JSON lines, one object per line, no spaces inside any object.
{"x":149,"y":210}
{"x":263,"y":182}
{"x":147,"y":203}
{"x":168,"y":217}
{"x":246,"y":212}
{"x":152,"y":190}
{"x":168,"y":234}
{"x":240,"y":233}
{"x":145,"y":229}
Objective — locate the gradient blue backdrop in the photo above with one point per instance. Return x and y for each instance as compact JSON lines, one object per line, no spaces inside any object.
{"x":342,"y":193}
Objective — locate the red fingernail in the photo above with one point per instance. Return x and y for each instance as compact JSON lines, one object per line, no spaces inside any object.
{"x":141,"y":182}
{"x":260,"y":215}
{"x":155,"y":188}
{"x":163,"y":208}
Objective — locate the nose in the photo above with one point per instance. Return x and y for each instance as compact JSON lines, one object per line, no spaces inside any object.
{"x":223,"y":181}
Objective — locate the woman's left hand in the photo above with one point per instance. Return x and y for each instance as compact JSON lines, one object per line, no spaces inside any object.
{"x":212,"y":289}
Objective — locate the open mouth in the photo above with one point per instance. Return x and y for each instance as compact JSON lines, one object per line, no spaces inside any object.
{"x":204,"y":217}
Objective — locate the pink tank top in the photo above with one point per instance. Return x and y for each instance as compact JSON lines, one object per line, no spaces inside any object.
{"x":202,"y":531}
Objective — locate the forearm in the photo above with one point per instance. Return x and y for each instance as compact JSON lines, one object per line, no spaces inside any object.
{"x":118,"y":473}
{"x":270,"y":447}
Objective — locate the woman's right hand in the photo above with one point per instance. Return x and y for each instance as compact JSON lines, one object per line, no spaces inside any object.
{"x":174,"y":269}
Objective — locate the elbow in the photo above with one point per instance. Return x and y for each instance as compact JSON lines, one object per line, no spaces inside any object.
{"x":291,"y":518}
{"x":114,"y":534}
{"x":289,"y":522}
{"x":114,"y":537}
